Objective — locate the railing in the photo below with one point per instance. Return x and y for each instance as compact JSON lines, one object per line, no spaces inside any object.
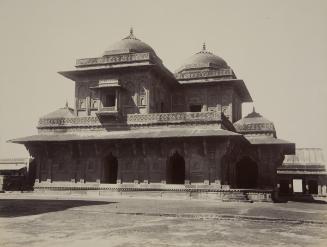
{"x":134,"y":119}
{"x":174,"y":117}
{"x":68,"y":122}
{"x":200,"y":74}
{"x":255,"y":127}
{"x":112,"y":59}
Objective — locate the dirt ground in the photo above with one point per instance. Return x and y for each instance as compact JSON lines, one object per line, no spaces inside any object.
{"x":30,"y":220}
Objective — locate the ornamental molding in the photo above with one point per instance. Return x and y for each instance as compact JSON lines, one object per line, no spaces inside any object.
{"x":200,"y":74}
{"x":175,"y":117}
{"x":255,"y":127}
{"x":94,"y":122}
{"x":113,"y":59}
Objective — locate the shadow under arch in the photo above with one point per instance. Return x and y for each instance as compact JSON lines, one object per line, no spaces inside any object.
{"x":175,"y":173}
{"x":246,"y":173}
{"x":110,"y":169}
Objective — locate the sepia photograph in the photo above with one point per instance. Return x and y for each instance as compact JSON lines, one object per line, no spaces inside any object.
{"x":163,"y":123}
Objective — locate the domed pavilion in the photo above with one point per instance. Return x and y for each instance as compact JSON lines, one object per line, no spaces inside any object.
{"x":138,"y":128}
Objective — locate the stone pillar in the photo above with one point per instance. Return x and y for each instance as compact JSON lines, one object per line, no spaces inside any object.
{"x":187,"y":163}
{"x":319,"y":189}
{"x":218,"y":172}
{"x":163,"y":154}
{"x":76,"y":106}
{"x":88,"y":105}
{"x":323,"y":189}
{"x":116,"y":99}
{"x":147,"y":93}
{"x":49,"y":174}
{"x":290,"y":187}
{"x":38,"y":168}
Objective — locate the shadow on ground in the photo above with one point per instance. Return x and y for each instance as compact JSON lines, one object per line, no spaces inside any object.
{"x":301,"y":198}
{"x":26,"y":207}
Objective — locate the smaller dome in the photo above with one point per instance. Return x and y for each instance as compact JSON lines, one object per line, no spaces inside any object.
{"x":256,"y":124}
{"x":65,"y":112}
{"x":203,"y":59}
{"x":127,"y":45}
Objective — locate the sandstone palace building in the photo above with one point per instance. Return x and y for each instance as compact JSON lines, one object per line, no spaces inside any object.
{"x":136,"y":127}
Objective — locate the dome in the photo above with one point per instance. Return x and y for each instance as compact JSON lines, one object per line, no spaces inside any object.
{"x":65,"y":112}
{"x":204,"y":59}
{"x":128,"y":45}
{"x":256,"y":124}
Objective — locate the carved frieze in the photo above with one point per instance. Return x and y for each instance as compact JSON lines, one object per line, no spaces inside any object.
{"x":255,"y":127}
{"x":121,"y":58}
{"x":132,"y":119}
{"x":200,"y":74}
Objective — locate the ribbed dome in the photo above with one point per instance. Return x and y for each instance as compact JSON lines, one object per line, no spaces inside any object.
{"x":254,"y":123}
{"x":204,"y":59}
{"x":128,"y":45}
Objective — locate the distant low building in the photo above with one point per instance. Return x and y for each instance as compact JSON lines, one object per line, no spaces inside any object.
{"x":16,"y":174}
{"x":303,"y":173}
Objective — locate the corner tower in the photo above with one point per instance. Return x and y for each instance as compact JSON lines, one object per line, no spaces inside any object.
{"x":210,"y":85}
{"x":128,"y":78}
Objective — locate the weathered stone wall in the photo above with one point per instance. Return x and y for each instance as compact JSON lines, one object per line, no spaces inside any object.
{"x":141,"y":92}
{"x":211,"y":98}
{"x":207,"y":161}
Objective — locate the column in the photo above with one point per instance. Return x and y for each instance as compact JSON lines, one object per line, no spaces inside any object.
{"x":88,"y":105}
{"x":119,"y":176}
{"x":187,"y":163}
{"x":206,"y":163}
{"x":116,"y":99}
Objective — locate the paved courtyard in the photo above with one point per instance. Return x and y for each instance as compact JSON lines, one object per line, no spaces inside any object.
{"x":30,"y":220}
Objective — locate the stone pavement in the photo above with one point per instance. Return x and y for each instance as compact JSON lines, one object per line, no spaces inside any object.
{"x":32,"y":220}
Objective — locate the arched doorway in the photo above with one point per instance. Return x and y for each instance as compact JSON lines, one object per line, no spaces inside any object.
{"x":246,"y":174}
{"x":110,"y":170}
{"x":313,"y":187}
{"x":175,"y":169}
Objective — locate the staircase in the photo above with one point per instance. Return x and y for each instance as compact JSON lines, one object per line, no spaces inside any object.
{"x":235,"y":196}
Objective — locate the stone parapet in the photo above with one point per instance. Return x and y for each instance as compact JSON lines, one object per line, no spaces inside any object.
{"x":133,"y":119}
{"x":174,"y":117}
{"x":113,"y":59}
{"x":226,"y":73}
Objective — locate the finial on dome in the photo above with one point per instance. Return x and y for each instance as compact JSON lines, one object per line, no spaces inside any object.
{"x":66,"y":105}
{"x":204,"y":46}
{"x":131,"y":34}
{"x":253,"y":110}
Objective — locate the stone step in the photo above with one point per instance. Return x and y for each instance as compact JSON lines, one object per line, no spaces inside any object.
{"x":235,"y":197}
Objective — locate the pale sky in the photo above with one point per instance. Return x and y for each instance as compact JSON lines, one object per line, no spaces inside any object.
{"x":279,"y":48}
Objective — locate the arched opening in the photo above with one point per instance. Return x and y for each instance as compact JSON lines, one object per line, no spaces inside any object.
{"x":246,"y":174}
{"x":284,"y":188}
{"x":110,"y":170}
{"x":176,"y":169}
{"x":313,"y":187}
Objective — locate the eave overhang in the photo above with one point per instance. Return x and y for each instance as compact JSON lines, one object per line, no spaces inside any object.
{"x":237,"y":83}
{"x":262,"y":140}
{"x":79,"y":74}
{"x":154,"y":133}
